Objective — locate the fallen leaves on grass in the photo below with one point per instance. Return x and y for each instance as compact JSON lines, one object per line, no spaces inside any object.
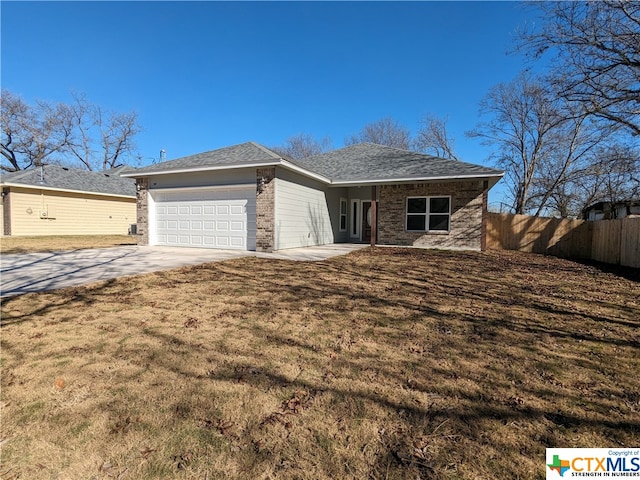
{"x":386,"y":363}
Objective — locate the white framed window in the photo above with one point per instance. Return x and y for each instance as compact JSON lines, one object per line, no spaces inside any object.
{"x":343,"y":214}
{"x":428,"y":214}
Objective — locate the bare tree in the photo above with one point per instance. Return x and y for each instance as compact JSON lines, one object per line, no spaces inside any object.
{"x":12,"y":112}
{"x":433,"y":138}
{"x":101,"y":140}
{"x":31,"y":135}
{"x":82,"y":145}
{"x":385,"y":131}
{"x":597,"y":62}
{"x":556,"y":159}
{"x":303,"y":145}
{"x":611,"y":173}
{"x":61,"y":133}
{"x":522,"y":119}
{"x":118,"y":139}
{"x":571,"y":144}
{"x":614,"y":175}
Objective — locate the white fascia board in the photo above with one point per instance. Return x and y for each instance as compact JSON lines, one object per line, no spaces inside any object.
{"x":279,"y":162}
{"x":209,"y":168}
{"x":387,"y":181}
{"x":65,"y":190}
{"x":304,"y":171}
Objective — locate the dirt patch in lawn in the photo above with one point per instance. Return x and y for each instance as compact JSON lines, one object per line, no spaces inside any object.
{"x":58,"y":243}
{"x":385,"y":363}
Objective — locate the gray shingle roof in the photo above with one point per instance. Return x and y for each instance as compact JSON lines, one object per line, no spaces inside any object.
{"x":237,"y":155}
{"x":364,"y":162}
{"x":368,"y":161}
{"x":57,"y":177}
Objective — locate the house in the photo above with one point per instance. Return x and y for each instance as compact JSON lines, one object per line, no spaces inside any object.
{"x":55,"y":200}
{"x":612,"y":210}
{"x":249,"y":197}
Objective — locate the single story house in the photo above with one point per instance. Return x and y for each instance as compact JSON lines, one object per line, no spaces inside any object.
{"x":249,"y":197}
{"x":612,"y":210}
{"x":55,"y":200}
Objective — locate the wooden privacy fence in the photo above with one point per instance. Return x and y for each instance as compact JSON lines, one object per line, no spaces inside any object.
{"x":608,"y":241}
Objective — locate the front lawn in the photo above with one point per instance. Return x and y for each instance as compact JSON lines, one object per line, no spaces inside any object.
{"x":56,"y":243}
{"x":385,"y":363}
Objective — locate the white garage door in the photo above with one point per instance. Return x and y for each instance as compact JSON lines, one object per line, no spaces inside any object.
{"x":219,"y":218}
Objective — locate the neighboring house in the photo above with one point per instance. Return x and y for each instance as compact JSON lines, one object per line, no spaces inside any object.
{"x":611,"y":210}
{"x":248,"y":197}
{"x":55,"y":200}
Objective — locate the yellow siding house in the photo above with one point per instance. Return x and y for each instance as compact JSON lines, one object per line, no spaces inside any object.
{"x":55,"y":200}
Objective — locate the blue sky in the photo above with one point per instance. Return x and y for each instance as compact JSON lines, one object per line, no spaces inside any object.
{"x":204,"y":75}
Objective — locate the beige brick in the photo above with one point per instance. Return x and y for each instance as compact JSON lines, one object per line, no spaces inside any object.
{"x":265,"y":209}
{"x":142,"y":210}
{"x":466,"y":215}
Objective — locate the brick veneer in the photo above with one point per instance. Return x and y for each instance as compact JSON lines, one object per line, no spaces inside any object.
{"x":466,"y":215}
{"x":142,"y":211}
{"x":6,"y":211}
{"x":265,"y":209}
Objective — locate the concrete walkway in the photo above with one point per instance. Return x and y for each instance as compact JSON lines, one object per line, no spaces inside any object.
{"x":35,"y":272}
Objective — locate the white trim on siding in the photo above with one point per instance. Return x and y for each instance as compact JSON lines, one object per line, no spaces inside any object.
{"x":384,"y":181}
{"x":281,"y":163}
{"x":209,"y":168}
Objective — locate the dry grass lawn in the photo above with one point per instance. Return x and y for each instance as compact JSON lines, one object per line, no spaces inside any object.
{"x":56,"y":243}
{"x":383,"y":364}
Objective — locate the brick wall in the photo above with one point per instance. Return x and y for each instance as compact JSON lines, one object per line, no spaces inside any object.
{"x":6,"y":211}
{"x":265,"y":209}
{"x":466,"y":215}
{"x":142,"y":210}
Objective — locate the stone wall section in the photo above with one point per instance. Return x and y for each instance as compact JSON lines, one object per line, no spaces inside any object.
{"x":265,"y":209}
{"x":6,"y":211}
{"x":466,"y":215}
{"x":142,"y":211}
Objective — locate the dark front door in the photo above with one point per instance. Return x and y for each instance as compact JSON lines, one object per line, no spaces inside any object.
{"x":366,"y":221}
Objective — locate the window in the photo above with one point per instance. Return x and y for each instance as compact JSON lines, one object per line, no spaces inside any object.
{"x":355,"y":224}
{"x":427,"y":214}
{"x":343,"y":214}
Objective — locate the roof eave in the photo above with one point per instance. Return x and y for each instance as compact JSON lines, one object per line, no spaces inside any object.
{"x":304,"y":171}
{"x":66,"y":190}
{"x":493,"y":179}
{"x":206,"y":168}
{"x":211,"y":168}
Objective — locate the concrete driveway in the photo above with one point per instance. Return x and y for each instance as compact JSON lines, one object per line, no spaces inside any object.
{"x":35,"y":272}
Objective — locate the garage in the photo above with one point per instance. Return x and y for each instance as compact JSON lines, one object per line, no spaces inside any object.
{"x":222,"y":217}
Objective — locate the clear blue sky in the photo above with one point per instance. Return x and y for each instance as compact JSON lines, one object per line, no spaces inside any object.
{"x":204,"y":75}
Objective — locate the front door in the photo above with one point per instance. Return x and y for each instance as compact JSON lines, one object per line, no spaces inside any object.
{"x":366,"y":221}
